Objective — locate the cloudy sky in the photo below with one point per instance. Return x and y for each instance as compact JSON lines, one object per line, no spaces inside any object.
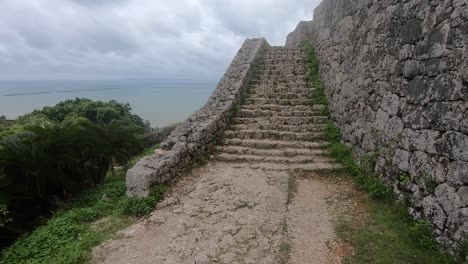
{"x":100,"y":39}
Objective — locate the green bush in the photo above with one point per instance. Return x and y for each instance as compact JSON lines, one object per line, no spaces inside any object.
{"x":46,"y":163}
{"x":72,"y":232}
{"x":137,"y":207}
{"x":97,"y":112}
{"x":143,"y":206}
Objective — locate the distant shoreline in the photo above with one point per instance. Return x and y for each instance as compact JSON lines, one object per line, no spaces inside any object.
{"x":64,"y":91}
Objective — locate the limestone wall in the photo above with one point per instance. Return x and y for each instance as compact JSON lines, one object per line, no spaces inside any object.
{"x":198,"y":134}
{"x":396,"y":74}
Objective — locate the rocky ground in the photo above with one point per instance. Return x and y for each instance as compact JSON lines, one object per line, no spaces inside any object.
{"x":240,"y":207}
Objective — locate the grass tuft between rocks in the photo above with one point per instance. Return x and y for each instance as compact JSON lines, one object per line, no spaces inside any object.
{"x":389,"y":234}
{"x":90,"y":218}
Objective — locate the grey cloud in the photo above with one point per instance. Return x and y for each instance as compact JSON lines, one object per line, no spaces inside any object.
{"x":98,"y":2}
{"x":136,"y":38}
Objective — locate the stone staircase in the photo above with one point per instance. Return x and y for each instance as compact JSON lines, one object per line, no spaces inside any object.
{"x":278,"y":128}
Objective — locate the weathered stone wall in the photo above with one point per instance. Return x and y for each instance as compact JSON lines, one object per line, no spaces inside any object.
{"x":198,"y":134}
{"x":396,"y":74}
{"x":154,"y":137}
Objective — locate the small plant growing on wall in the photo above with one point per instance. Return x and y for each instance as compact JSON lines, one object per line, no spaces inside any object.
{"x":404,"y":179}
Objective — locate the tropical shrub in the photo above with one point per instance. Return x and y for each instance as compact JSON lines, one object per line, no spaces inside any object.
{"x":44,"y":164}
{"x":97,"y":112}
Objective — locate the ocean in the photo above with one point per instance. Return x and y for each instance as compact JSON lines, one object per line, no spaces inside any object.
{"x":162,"y":102}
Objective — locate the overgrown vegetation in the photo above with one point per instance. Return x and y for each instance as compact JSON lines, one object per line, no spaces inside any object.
{"x":50,"y":155}
{"x":362,"y":173}
{"x":88,"y":219}
{"x":97,"y":112}
{"x":390,"y":234}
{"x":318,"y":95}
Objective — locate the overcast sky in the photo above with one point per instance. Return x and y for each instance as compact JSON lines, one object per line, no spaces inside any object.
{"x":100,"y":39}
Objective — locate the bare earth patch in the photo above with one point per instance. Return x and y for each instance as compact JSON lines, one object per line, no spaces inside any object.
{"x":313,"y":215}
{"x":310,"y":225}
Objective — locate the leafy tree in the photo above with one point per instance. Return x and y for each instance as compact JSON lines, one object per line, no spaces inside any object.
{"x":95,"y":111}
{"x":46,"y":162}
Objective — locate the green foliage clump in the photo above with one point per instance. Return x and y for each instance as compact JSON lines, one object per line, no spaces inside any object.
{"x":362,"y":172}
{"x":45,"y":164}
{"x":390,"y":235}
{"x":318,"y":95}
{"x":88,"y":219}
{"x":143,"y":206}
{"x":404,"y":179}
{"x":422,"y":235}
{"x":97,"y":112}
{"x":50,"y":155}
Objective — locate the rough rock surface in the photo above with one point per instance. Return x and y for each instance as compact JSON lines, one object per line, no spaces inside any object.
{"x":396,"y":75}
{"x":158,"y":136}
{"x":222,"y":214}
{"x":234,"y":210}
{"x":199,"y":133}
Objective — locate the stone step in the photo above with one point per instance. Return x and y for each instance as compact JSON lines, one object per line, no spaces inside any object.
{"x":273,"y":69}
{"x":272,"y":134}
{"x":283,"y":83}
{"x":281,"y":107}
{"x":284,"y":65}
{"x":275,"y":107}
{"x":283,"y":152}
{"x":298,"y":129}
{"x":271,"y":72}
{"x":267,"y":85}
{"x":275,"y":159}
{"x":289,"y":78}
{"x":315,"y":166}
{"x":269,"y":113}
{"x":283,"y":78}
{"x":285,"y":121}
{"x":280,"y":90}
{"x":286,"y":54}
{"x":262,"y":101}
{"x":288,"y":96}
{"x":272,"y":144}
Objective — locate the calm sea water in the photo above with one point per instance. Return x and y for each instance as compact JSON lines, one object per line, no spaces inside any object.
{"x":162,"y":102}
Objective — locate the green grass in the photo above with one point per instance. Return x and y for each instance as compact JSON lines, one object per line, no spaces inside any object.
{"x":285,"y":252}
{"x":292,"y":188}
{"x":318,"y":95}
{"x":362,"y":172}
{"x":389,"y":235}
{"x":90,"y":218}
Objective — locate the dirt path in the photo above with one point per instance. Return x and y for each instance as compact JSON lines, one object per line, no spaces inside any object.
{"x":230,"y":213}
{"x":220,"y":214}
{"x":234,"y":210}
{"x":310,"y":224}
